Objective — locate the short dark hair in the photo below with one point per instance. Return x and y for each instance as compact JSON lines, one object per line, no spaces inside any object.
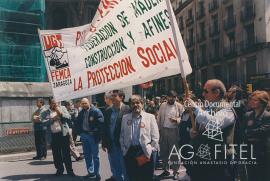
{"x":68,"y":103}
{"x":172,"y":93}
{"x":239,"y":93}
{"x":120,"y":93}
{"x":51,"y":99}
{"x":41,"y":100}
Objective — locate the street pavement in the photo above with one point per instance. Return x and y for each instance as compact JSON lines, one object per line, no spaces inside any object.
{"x":25,"y":169}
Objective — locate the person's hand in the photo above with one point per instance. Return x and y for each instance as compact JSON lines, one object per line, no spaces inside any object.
{"x":55,"y":118}
{"x":193,"y":133}
{"x":142,"y":160}
{"x":189,"y":103}
{"x":173,"y":120}
{"x":36,"y":118}
{"x":58,"y":111}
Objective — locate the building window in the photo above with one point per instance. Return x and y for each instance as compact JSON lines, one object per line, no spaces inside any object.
{"x":201,"y":11}
{"x":250,"y":34}
{"x":251,"y":67}
{"x":181,"y":23}
{"x":201,"y":6}
{"x":202,"y":30}
{"x":204,"y":77}
{"x":230,"y":12}
{"x":232,"y":73}
{"x":231,"y":41}
{"x":218,"y":72}
{"x":215,"y":21}
{"x":190,"y":14}
{"x":203,"y":55}
{"x":190,"y":34}
{"x":191,"y":57}
{"x":216,"y":47}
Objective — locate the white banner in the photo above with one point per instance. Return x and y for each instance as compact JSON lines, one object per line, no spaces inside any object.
{"x":129,"y":42}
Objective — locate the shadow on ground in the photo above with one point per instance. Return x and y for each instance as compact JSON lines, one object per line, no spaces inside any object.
{"x":43,"y":177}
{"x":40,"y":162}
{"x":21,"y":160}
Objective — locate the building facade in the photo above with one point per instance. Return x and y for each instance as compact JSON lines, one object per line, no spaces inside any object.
{"x":227,"y":40}
{"x":23,"y":76}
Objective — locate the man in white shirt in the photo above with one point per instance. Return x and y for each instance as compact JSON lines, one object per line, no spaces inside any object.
{"x":169,"y":117}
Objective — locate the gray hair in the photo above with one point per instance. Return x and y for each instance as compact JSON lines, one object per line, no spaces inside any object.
{"x":217,"y":85}
{"x":108,"y":95}
{"x":136,"y":97}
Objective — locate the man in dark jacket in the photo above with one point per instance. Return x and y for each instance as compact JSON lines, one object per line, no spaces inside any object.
{"x":40,"y":131}
{"x":257,"y":134}
{"x":90,"y":124}
{"x":110,"y":140}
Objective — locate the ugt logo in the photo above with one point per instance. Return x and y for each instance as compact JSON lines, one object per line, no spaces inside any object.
{"x":55,"y":52}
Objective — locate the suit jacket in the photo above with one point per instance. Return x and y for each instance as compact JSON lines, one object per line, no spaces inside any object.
{"x":162,"y":113}
{"x":39,"y":125}
{"x":96,"y":121}
{"x":259,"y":133}
{"x":106,"y":137}
{"x":149,"y":134}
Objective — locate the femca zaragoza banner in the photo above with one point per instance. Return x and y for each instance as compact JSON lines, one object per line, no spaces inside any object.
{"x":129,"y":42}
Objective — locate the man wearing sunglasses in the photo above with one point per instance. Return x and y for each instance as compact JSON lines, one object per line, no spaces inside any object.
{"x":216,"y":117}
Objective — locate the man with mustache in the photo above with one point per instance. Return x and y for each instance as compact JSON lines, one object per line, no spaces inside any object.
{"x":138,"y":139}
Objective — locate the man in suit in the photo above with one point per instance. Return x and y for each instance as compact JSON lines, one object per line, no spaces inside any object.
{"x":139,"y":138}
{"x":90,"y":124}
{"x":112,"y":128}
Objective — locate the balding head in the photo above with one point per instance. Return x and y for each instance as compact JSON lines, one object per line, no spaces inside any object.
{"x":85,"y":103}
{"x":214,"y":90}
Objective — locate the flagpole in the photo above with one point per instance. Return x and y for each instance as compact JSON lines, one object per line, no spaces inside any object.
{"x":183,"y":75}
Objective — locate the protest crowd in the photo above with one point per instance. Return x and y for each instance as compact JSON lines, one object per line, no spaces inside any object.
{"x":229,"y":135}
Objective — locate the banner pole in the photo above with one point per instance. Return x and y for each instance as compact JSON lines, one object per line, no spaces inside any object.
{"x":183,"y":75}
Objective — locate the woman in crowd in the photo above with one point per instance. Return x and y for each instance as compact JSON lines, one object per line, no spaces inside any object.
{"x":258,"y":134}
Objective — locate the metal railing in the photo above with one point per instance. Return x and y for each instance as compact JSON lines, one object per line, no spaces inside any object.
{"x":13,"y":140}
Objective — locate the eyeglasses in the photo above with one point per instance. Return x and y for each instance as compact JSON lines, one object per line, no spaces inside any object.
{"x":205,"y":91}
